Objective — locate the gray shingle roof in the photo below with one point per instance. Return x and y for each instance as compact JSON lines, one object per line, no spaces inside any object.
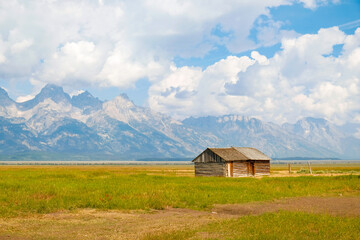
{"x":252,"y":153}
{"x":239,"y":153}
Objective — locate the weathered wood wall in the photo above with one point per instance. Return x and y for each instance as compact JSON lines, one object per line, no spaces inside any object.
{"x":243,"y":168}
{"x":262,"y":168}
{"x":210,"y":169}
{"x":208,"y":156}
{"x":240,"y":169}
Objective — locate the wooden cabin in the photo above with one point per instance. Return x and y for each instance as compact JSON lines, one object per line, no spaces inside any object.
{"x":232,"y":162}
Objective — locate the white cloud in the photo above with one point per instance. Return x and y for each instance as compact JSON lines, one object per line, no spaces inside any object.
{"x":122,"y":68}
{"x":114,"y":43}
{"x":24,"y":98}
{"x":312,"y":4}
{"x":20,"y":46}
{"x":303,"y":79}
{"x":309,"y":3}
{"x":76,"y":93}
{"x":260,"y":58}
{"x":270,"y":32}
{"x":74,"y":61}
{"x":191,"y":91}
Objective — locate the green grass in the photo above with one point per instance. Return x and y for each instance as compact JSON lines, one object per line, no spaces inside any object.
{"x":281,"y":225}
{"x":31,"y":190}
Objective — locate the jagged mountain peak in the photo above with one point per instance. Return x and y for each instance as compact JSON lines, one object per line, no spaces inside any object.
{"x":3,"y":91}
{"x":312,"y":120}
{"x":122,"y":101}
{"x":54,"y":92}
{"x":52,"y":87}
{"x":225,"y":119}
{"x":228,"y":125}
{"x":311,"y":125}
{"x":123,"y":109}
{"x":235,"y":118}
{"x":5,"y":100}
{"x":50,"y":91}
{"x":318,"y":130}
{"x":85,"y":93}
{"x":86,"y":100}
{"x":124,"y":96}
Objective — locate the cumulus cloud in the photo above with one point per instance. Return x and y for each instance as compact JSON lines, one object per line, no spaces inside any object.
{"x":73,"y":61}
{"x":303,"y":79}
{"x":192,"y":91}
{"x":270,"y":32}
{"x":115,"y":43}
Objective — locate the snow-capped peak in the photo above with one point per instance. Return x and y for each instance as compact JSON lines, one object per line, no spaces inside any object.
{"x":76,"y":93}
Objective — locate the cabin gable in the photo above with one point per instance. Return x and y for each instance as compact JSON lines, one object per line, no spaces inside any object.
{"x":208,"y":156}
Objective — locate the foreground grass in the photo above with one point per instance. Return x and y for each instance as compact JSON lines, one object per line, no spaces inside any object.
{"x":31,"y":190}
{"x":282,"y":225}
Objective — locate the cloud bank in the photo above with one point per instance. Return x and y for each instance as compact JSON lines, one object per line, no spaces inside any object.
{"x":115,"y":43}
{"x":305,"y":78}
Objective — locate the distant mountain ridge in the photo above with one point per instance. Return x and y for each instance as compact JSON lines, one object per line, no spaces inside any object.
{"x":327,"y":135}
{"x":55,"y":122}
{"x":252,"y":132}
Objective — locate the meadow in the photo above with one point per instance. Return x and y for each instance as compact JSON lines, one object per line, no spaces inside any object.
{"x":30,"y":194}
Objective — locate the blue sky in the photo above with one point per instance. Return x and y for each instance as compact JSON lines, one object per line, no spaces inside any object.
{"x":295,"y":17}
{"x":190,"y":58}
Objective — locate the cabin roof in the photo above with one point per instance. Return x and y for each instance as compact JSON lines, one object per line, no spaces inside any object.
{"x":229,"y":154}
{"x":252,"y":153}
{"x":239,"y":153}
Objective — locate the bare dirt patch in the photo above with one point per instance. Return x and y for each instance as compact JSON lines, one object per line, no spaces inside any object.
{"x":340,"y":206}
{"x":96,"y":224}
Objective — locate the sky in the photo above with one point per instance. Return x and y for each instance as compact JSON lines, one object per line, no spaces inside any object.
{"x":278,"y":60}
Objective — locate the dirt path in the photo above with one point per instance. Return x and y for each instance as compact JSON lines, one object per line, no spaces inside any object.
{"x":95,"y":224}
{"x":340,"y":206}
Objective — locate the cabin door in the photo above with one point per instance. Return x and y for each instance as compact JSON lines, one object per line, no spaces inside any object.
{"x":251,"y":168}
{"x":230,"y":169}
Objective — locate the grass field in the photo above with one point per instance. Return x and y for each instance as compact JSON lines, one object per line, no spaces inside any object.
{"x":34,"y":197}
{"x":281,"y":225}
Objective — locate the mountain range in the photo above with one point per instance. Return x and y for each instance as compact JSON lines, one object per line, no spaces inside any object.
{"x":55,"y":122}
